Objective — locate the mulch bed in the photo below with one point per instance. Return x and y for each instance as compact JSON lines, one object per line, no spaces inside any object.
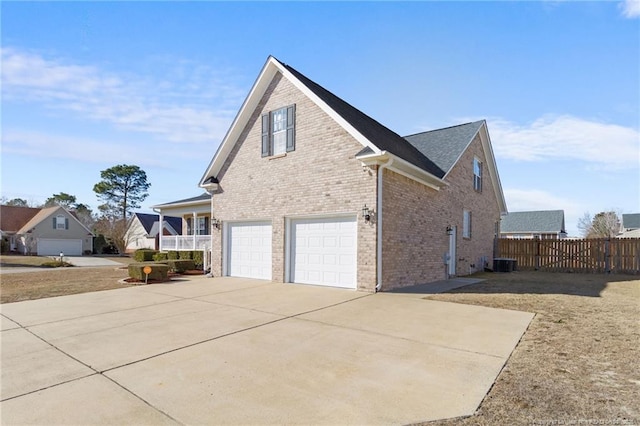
{"x":170,"y":276}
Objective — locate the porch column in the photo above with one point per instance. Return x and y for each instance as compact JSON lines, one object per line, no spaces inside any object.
{"x":194,"y":229}
{"x":161,"y":229}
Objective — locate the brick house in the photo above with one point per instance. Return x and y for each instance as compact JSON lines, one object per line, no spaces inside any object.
{"x":308,"y":189}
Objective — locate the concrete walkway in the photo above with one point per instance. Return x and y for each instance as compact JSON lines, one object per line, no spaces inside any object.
{"x":438,"y":286}
{"x":91,"y":261}
{"x":239,"y":351}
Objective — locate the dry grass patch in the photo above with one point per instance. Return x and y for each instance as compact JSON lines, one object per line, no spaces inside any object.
{"x":578,"y":361}
{"x":51,"y":282}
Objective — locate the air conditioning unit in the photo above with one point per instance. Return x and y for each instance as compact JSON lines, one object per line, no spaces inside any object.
{"x":502,"y":264}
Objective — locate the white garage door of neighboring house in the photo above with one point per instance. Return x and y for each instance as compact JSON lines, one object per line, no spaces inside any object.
{"x":324,"y":251}
{"x":53,"y":247}
{"x":249,"y":250}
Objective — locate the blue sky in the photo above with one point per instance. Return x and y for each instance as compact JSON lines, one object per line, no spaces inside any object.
{"x":88,"y":85}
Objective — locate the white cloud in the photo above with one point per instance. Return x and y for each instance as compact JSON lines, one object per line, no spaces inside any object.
{"x":36,"y":144}
{"x":536,"y":199}
{"x":195,"y":106}
{"x":567,"y":138}
{"x":630,"y":8}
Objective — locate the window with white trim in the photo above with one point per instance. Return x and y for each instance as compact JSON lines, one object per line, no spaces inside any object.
{"x":466,"y":224}
{"x":201,"y":226}
{"x":60,"y":222}
{"x":477,"y":175}
{"x":278,"y":131}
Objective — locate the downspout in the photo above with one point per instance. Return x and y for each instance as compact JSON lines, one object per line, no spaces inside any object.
{"x":379,"y":224}
{"x":210,"y":254}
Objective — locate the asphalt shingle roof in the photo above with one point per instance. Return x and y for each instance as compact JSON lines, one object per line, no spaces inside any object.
{"x":148,"y":220}
{"x":542,"y":221}
{"x":631,"y":221}
{"x":201,"y":197}
{"x":444,"y":146}
{"x":12,"y":218}
{"x":381,"y":136}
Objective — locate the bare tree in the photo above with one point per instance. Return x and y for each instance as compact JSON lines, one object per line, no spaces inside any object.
{"x":114,"y":228}
{"x":602,"y":225}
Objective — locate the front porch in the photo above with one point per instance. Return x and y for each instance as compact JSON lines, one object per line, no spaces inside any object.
{"x":185,"y":242}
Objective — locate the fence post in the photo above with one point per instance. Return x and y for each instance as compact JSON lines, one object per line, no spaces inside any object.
{"x":537,"y":240}
{"x":607,"y":254}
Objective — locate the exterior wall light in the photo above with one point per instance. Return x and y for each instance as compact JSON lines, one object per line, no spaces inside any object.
{"x":366,"y":213}
{"x":449,"y":230}
{"x":215,"y":223}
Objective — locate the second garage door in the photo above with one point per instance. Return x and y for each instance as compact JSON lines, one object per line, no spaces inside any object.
{"x":324,"y":251}
{"x":249,"y":250}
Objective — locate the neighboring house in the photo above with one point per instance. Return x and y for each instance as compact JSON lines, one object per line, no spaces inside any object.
{"x":630,"y":226}
{"x":143,"y":231}
{"x":543,"y":224}
{"x":46,"y":232}
{"x":195,"y":229}
{"x":308,"y":189}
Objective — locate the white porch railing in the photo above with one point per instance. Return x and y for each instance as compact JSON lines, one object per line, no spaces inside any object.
{"x":186,"y":242}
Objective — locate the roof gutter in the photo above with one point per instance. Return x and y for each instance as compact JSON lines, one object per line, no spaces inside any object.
{"x":404,"y":168}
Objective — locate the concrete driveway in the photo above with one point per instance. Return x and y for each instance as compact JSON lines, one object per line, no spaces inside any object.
{"x":239,"y":351}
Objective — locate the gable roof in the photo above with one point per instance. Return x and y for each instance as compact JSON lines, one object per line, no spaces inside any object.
{"x":150,"y":223}
{"x":541,"y":221}
{"x":44,"y":214}
{"x":445,"y":146}
{"x":380,"y":144}
{"x":380,"y":136}
{"x":12,"y":218}
{"x":631,"y":221}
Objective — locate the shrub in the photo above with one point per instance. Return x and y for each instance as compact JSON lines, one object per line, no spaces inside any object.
{"x":185,"y":255}
{"x":179,"y":266}
{"x":198,"y":258}
{"x":56,"y":264}
{"x":4,"y":245}
{"x":144,"y":255}
{"x":158,"y":271}
{"x":172,"y":255}
{"x":160,"y":257}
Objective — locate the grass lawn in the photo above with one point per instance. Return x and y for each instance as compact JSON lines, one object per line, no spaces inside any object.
{"x":50,"y":282}
{"x":578,"y":363}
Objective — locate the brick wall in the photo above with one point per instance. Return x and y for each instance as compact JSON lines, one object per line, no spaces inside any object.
{"x":320,"y":177}
{"x":415,"y":219}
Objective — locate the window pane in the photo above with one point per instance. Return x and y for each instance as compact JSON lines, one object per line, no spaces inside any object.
{"x":279,"y":143}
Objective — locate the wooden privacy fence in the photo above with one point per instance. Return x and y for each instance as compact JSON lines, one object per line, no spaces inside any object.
{"x":587,"y":255}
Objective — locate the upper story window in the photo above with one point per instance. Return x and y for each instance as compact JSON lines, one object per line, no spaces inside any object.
{"x":278,"y":131}
{"x":477,"y":175}
{"x":60,"y":222}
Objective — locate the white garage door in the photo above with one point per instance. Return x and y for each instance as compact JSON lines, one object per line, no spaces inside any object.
{"x":249,"y":250}
{"x":324,"y":251}
{"x":53,"y":247}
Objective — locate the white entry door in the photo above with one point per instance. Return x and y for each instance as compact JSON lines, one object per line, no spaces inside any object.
{"x":324,"y":251}
{"x":249,"y":250}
